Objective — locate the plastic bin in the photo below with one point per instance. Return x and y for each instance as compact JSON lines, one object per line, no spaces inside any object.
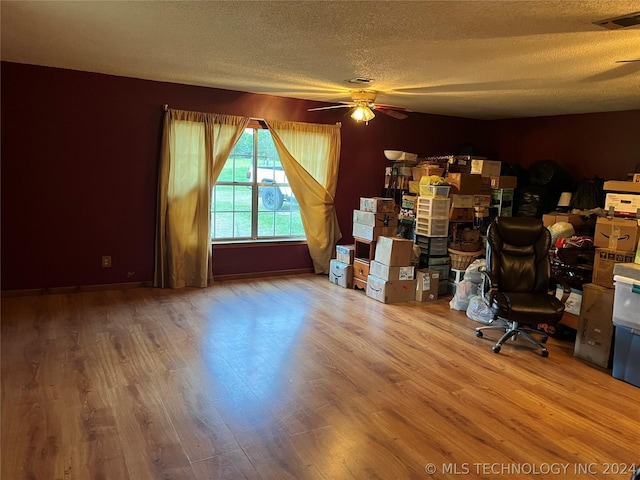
{"x":626,"y":302}
{"x":626,"y":355}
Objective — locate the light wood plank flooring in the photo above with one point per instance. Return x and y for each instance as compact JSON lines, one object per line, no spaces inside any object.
{"x":294,"y":378}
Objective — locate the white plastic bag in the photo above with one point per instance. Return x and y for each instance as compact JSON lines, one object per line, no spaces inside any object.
{"x":464,"y":290}
{"x":472,"y":274}
{"x":478,"y":310}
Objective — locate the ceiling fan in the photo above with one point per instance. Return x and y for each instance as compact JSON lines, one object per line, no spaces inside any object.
{"x":363,"y":105}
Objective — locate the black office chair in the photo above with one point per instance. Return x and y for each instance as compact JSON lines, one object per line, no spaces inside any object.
{"x":517,"y":281}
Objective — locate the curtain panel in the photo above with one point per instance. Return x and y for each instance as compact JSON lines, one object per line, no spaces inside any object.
{"x":195,"y":147}
{"x":310,"y":156}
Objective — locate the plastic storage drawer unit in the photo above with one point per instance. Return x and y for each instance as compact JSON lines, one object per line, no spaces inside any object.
{"x":434,"y":207}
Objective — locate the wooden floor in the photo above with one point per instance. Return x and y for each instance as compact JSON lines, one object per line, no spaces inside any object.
{"x":294,"y":378}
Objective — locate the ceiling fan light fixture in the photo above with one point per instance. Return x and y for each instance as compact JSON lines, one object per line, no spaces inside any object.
{"x":362,"y":113}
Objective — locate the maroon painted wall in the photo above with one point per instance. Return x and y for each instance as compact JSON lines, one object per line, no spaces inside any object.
{"x":602,"y":144}
{"x":80,"y":160}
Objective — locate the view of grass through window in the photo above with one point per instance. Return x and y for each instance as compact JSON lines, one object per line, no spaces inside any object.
{"x":248,"y":206}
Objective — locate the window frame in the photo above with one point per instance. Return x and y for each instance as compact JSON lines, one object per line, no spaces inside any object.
{"x":255,"y":185}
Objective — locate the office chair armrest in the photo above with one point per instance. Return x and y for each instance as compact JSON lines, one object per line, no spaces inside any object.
{"x":566,"y":289}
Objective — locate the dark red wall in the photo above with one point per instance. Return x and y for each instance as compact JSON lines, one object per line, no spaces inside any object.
{"x":80,"y":161}
{"x":602,"y":144}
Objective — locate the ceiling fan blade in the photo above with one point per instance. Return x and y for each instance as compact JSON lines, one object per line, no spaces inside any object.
{"x":328,"y":108}
{"x":391,"y":112}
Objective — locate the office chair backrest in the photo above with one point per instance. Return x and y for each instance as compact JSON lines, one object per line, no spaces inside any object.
{"x":518,"y":254}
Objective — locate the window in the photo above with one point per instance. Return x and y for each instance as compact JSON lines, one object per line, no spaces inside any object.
{"x":245,"y":206}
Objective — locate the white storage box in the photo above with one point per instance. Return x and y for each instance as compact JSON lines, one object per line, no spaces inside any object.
{"x":626,"y":302}
{"x":624,"y":204}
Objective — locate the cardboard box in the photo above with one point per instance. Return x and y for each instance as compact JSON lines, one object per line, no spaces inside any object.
{"x":485,"y":185}
{"x":409,"y":202}
{"x":482,"y":200}
{"x":388,"y":219}
{"x":595,"y":327}
{"x":464,"y":183}
{"x":394,"y":251}
{"x":368,"y":232}
{"x":386,"y":272}
{"x":486,"y":168}
{"x":462,"y":214}
{"x":420,"y":171}
{"x":550,"y":219}
{"x":462,"y":201}
{"x":460,"y":163}
{"x":573,"y":303}
{"x":345,"y":253}
{"x":626,"y":187}
{"x":616,"y":233}
{"x":341,"y":273}
{"x":603,"y":263}
{"x":361,"y":268}
{"x":503,"y":181}
{"x":622,"y":204}
{"x":377,"y":204}
{"x":427,"y":284}
{"x":393,"y":291}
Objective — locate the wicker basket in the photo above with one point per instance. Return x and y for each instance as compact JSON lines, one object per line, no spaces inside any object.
{"x":461,"y":260}
{"x":466,"y":246}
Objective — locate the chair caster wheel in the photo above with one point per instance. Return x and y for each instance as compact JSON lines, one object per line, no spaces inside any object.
{"x":544,"y":353}
{"x":496,"y":349}
{"x":544,"y":339}
{"x":479,"y":333}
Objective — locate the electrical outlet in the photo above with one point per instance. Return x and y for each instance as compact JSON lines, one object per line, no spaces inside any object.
{"x":106,"y":261}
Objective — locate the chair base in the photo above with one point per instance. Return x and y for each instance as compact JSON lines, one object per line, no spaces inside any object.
{"x":513,"y":331}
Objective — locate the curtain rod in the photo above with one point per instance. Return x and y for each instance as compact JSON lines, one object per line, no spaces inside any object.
{"x":165,"y":107}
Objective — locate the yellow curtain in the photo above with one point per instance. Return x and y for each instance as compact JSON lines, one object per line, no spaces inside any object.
{"x":195,"y":147}
{"x":310,"y":156}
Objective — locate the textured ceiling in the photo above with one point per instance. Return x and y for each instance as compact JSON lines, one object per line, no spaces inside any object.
{"x":478,"y":59}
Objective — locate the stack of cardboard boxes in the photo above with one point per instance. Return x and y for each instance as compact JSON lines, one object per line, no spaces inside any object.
{"x":375,"y":218}
{"x":379,"y":262}
{"x":616,"y":241}
{"x":391,"y":274}
{"x":341,"y":267}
